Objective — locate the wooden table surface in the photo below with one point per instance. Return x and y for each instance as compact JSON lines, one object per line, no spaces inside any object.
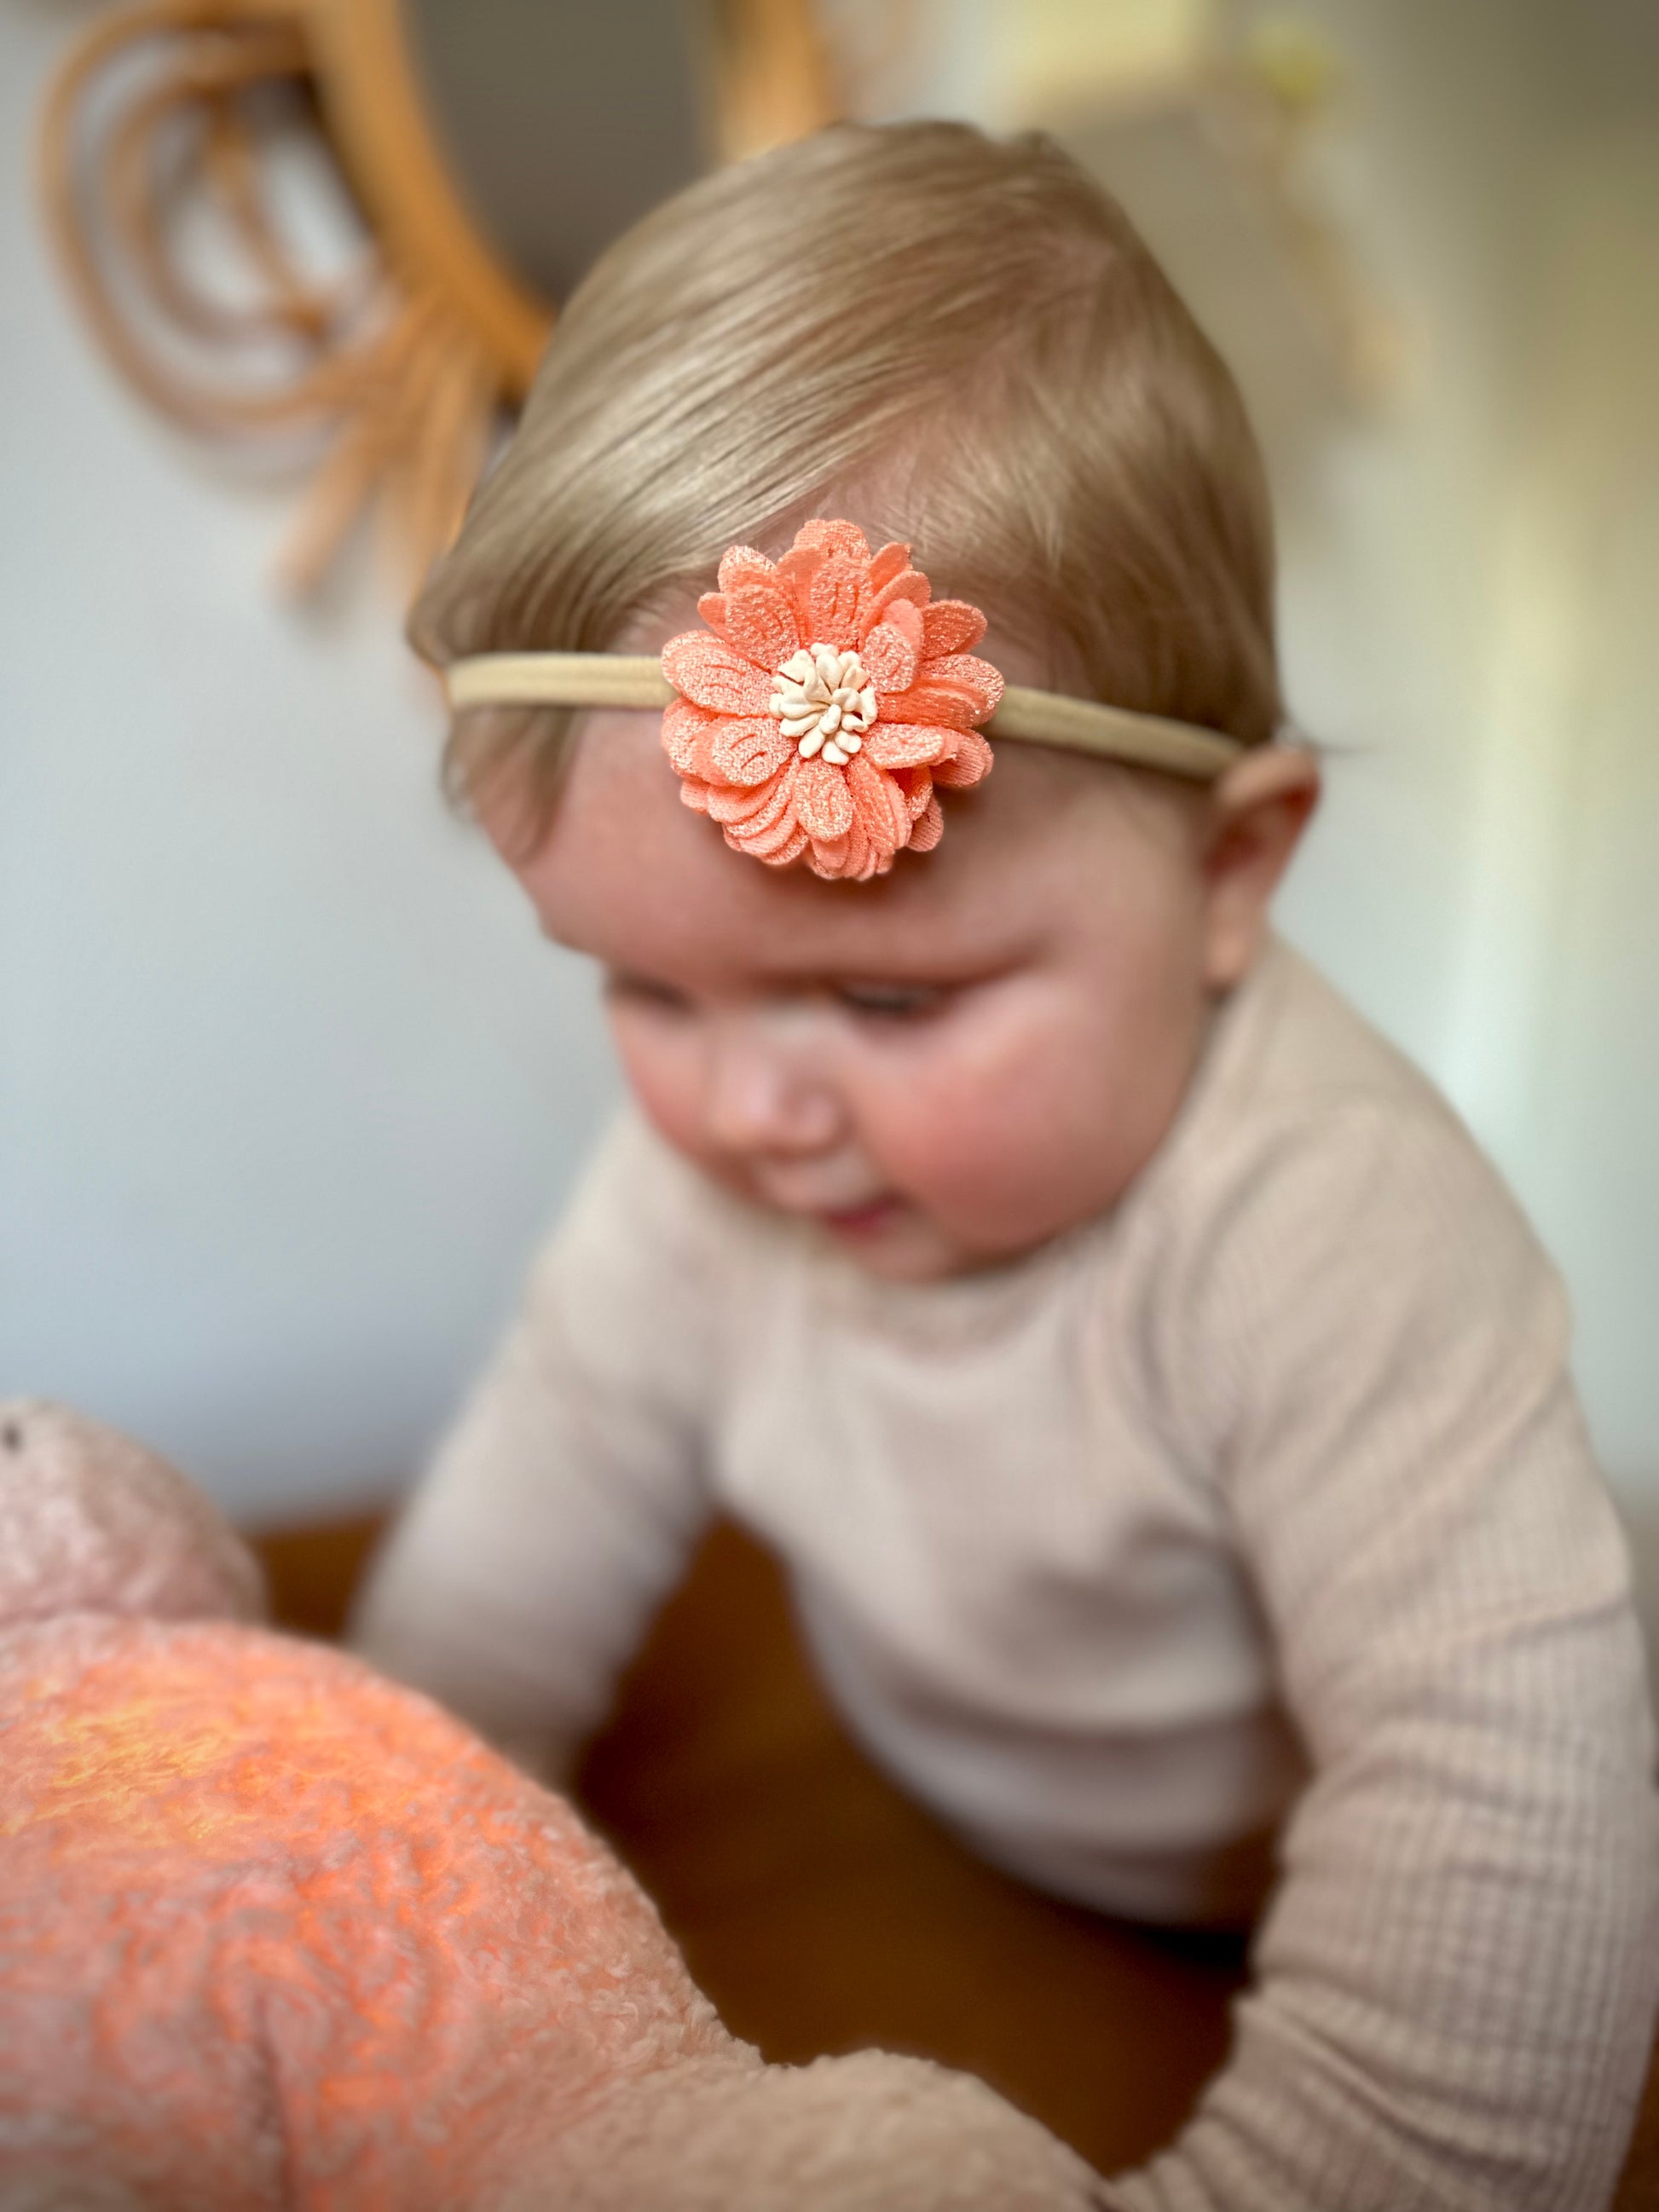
{"x":818,"y":1907}
{"x":822,"y":1911}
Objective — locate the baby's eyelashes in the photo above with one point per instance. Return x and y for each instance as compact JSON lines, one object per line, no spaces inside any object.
{"x":889,"y":1002}
{"x":898,"y":1002}
{"x":644,"y":990}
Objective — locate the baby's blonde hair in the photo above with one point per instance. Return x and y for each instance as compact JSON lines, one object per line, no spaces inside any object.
{"x":971,"y":330}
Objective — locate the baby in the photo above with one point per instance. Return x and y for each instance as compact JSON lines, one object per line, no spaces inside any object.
{"x":1162,"y":1410}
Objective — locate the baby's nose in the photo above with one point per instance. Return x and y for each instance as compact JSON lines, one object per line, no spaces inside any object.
{"x":760,"y":1100}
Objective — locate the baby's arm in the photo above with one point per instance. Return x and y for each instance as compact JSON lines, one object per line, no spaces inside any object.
{"x":1456,"y":1981}
{"x":567,"y":1496}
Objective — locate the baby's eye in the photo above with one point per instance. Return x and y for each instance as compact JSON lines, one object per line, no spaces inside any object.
{"x":892,"y":1002}
{"x":645,"y":991}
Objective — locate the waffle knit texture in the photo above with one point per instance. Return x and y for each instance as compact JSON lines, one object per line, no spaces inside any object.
{"x":1262,"y":1504}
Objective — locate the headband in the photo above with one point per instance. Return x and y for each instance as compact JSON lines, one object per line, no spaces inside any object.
{"x":828,"y":701}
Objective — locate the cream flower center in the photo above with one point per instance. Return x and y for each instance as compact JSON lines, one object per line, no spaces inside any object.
{"x":825,"y":701}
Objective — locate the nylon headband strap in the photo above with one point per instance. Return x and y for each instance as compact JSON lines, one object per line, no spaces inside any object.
{"x":1037,"y":718}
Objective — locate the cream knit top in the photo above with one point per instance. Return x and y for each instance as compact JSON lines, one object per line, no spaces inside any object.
{"x":1264,"y":1499}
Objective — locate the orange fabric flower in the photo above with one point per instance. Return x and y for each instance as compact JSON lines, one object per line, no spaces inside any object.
{"x":828,"y":697}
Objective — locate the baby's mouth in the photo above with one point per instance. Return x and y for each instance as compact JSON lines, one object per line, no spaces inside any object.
{"x":857,"y":1222}
{"x":832,"y":1205}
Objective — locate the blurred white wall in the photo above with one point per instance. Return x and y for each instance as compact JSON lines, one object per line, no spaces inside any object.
{"x":1469,"y":582}
{"x":289,"y":1085}
{"x":288,"y":1081}
{"x":1469,"y":593}
{"x":1556,"y":1045}
{"x":1468,"y":569}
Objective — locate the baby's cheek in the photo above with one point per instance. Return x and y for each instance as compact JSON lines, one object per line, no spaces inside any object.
{"x":663,"y":1075}
{"x":999,"y":1175}
{"x":967,"y":1139}
{"x":1017,"y":1133}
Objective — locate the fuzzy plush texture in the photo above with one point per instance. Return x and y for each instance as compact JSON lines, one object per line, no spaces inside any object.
{"x":869,"y":2133}
{"x":277,"y":1935}
{"x":276,"y":1931}
{"x":91,"y":1521}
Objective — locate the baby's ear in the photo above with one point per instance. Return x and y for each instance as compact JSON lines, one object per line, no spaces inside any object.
{"x":1259,"y":809}
{"x":92,"y":1522}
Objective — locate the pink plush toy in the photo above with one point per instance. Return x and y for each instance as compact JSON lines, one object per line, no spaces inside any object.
{"x":276,"y":1932}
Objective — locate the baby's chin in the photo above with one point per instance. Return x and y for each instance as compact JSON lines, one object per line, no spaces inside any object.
{"x":888,"y":1236}
{"x":899,"y":1243}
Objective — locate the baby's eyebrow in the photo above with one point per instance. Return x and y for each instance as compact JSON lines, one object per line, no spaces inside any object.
{"x":907,"y":969}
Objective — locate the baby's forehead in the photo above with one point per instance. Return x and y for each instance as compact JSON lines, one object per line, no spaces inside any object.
{"x":629,"y":874}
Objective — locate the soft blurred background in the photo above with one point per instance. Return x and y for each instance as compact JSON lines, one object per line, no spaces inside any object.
{"x":288,"y":1084}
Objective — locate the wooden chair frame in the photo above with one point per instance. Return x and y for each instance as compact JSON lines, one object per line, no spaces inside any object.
{"x":405,"y":372}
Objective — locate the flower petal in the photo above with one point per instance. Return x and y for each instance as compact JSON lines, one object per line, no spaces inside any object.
{"x":741,"y":564}
{"x":824,"y":805}
{"x":841,"y":859}
{"x":695,"y":795}
{"x":845,"y":538}
{"x":977,"y":679}
{"x":915,"y":786}
{"x":907,"y":745}
{"x":750,"y":803}
{"x":929,"y":827}
{"x":686,"y":734}
{"x":882,"y":807}
{"x":929,"y":706}
{"x":798,"y":566}
{"x":909,"y":583}
{"x":760,"y":621}
{"x":957,"y":689}
{"x":951,"y":626}
{"x":892,"y":561}
{"x":767,"y":833}
{"x":970,"y":764}
{"x":785,"y":855}
{"x":710,"y":674}
{"x":838,"y":595}
{"x":747,"y":751}
{"x":827,"y":856}
{"x":711,"y":607}
{"x":908,"y":619}
{"x":891,"y":661}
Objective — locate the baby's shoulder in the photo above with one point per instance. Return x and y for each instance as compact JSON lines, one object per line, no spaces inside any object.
{"x":1300,"y":1097}
{"x":1288,"y":1043}
{"x":1318,"y":1188}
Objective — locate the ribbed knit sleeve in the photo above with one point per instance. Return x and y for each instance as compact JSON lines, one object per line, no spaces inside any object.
{"x":520,"y":1578}
{"x":1457,"y":1979}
